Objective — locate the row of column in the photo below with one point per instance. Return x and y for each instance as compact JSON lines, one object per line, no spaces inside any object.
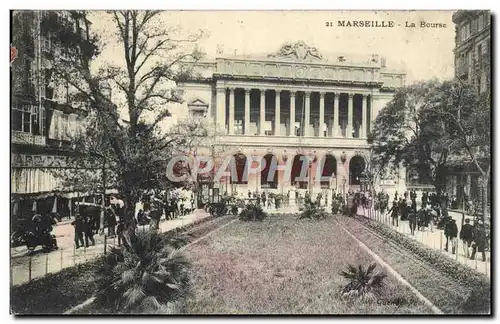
{"x":221,"y":113}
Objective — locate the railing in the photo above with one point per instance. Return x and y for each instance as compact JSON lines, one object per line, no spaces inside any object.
{"x":27,"y":138}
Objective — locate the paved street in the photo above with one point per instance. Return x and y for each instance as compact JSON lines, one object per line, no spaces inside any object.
{"x":67,"y":255}
{"x":436,"y":240}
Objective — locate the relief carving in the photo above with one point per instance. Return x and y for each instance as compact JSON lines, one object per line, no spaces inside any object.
{"x":299,"y":50}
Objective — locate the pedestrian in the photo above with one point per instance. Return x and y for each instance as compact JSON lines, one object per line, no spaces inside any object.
{"x":78,"y":226}
{"x":467,"y":236}
{"x":119,"y":231}
{"x":394,"y":213}
{"x":479,"y":244}
{"x":451,"y":232}
{"x":87,"y":230}
{"x":402,"y":208}
{"x":110,"y":221}
{"x":412,"y":217}
{"x":422,"y":218}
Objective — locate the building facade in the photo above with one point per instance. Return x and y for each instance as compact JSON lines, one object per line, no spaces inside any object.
{"x":472,"y":65}
{"x":294,"y":106}
{"x":473,"y":47}
{"x":43,"y":118}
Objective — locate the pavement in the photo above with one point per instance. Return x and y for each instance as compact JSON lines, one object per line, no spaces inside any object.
{"x":25,"y":267}
{"x":435,"y":239}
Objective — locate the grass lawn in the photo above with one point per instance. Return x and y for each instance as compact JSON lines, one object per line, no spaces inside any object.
{"x":284,"y":266}
{"x":451,"y":295}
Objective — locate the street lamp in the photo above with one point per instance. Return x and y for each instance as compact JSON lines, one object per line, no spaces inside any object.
{"x":344,"y":182}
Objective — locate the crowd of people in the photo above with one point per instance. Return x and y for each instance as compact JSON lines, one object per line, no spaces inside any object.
{"x":432,"y":213}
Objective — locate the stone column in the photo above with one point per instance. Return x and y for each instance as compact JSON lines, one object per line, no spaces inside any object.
{"x":349,"y":115}
{"x":321,"y":113}
{"x":262,"y":114}
{"x":232,"y":105}
{"x":307,"y":113}
{"x":336,"y":121}
{"x":372,"y":113}
{"x":220,"y":116}
{"x":292,"y":113}
{"x":247,"y":112}
{"x":364,"y":130}
{"x":277,"y":119}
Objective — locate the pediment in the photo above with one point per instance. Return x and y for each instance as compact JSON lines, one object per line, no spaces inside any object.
{"x":197,"y":102}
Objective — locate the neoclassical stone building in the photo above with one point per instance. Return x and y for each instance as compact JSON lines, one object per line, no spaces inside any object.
{"x":291,"y":104}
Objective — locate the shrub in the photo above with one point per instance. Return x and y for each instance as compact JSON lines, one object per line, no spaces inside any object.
{"x":252,"y":212}
{"x":313,"y":210}
{"x":218,"y":209}
{"x":148,"y":275}
{"x":363,"y":283}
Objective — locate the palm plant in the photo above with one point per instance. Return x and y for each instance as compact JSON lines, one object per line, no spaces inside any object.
{"x":312,"y":210}
{"x":148,"y":275}
{"x":252,"y":212}
{"x":363,"y":283}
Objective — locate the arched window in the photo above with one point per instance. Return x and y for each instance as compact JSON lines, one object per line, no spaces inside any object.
{"x":265,"y":181}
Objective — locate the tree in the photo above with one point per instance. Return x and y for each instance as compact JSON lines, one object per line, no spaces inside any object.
{"x":194,"y":137}
{"x":152,"y":59}
{"x":407,"y":132}
{"x":469,"y":112}
{"x":374,"y":168}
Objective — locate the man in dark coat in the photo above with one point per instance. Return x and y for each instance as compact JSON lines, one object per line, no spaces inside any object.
{"x":451,"y":233}
{"x":402,"y":208}
{"x":467,"y":235}
{"x":479,"y":241}
{"x":394,"y":213}
{"x":87,"y":230}
{"x":412,"y":217}
{"x":350,"y":205}
{"x":110,"y":221}
{"x":78,"y":225}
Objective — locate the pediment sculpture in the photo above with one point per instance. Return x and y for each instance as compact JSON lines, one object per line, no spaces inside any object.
{"x":299,"y":50}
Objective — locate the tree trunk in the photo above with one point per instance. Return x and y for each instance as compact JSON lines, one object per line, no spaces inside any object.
{"x":103,"y":201}
{"x":440,"y":180}
{"x":485,"y":197}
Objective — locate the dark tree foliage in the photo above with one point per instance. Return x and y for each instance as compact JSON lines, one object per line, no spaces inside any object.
{"x":143,"y":87}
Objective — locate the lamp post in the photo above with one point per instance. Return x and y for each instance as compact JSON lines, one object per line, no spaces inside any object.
{"x":343,"y":187}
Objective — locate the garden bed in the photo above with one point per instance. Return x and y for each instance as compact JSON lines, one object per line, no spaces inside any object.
{"x":56,"y":293}
{"x":451,"y":286}
{"x":283,"y":265}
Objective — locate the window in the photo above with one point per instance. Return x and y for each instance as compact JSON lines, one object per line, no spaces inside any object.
{"x":480,"y":54}
{"x":17,"y":120}
{"x":480,"y":23}
{"x":47,"y":43}
{"x":21,"y":119}
{"x":64,"y":127}
{"x":465,"y":31}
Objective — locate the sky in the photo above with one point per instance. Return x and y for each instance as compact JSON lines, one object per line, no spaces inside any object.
{"x":424,"y":53}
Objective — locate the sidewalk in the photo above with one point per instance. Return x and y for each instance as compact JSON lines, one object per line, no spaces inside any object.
{"x":67,"y":255}
{"x":435,"y":239}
